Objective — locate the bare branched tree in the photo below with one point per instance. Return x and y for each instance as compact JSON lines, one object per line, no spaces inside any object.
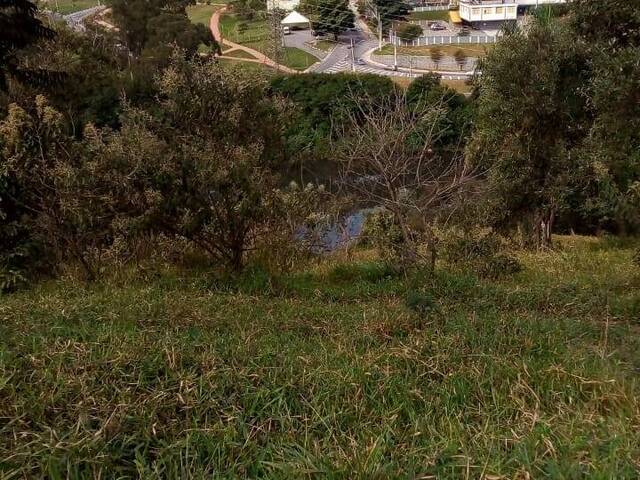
{"x":388,"y":160}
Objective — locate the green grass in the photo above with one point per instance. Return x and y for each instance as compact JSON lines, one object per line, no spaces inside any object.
{"x":201,"y":13}
{"x":65,"y":7}
{"x":238,"y":54}
{"x":255,"y":32}
{"x":297,"y":59}
{"x":436,"y":15}
{"x":327,"y":373}
{"x":256,"y":35}
{"x":324,"y":45}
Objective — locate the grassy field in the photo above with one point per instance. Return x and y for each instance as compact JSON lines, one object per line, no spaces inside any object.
{"x":65,"y":7}
{"x":201,"y":13}
{"x":255,"y":34}
{"x":436,"y":15}
{"x":327,"y":373}
{"x":471,"y":50}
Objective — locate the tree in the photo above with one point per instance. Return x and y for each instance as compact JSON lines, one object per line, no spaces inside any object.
{"x":455,"y":121}
{"x":55,"y":183}
{"x":389,"y":11}
{"x":156,"y":23}
{"x":460,"y":58}
{"x":436,"y":56}
{"x":19,"y":28}
{"x":333,"y":17}
{"x":387,"y":160}
{"x":409,"y":31}
{"x":531,"y":116}
{"x":324,"y":102}
{"x":206,"y":169}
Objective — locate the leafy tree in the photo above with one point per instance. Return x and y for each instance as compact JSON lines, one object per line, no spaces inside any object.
{"x":19,"y":28}
{"x":389,"y":11}
{"x":409,"y":31}
{"x":460,"y":58}
{"x":333,"y":17}
{"x":324,"y":102}
{"x":178,"y":175}
{"x":157,"y":23}
{"x":55,"y":184}
{"x":531,"y":116}
{"x":612,"y":22}
{"x":436,"y":56}
{"x":610,"y":158}
{"x":454,"y":122}
{"x":175,"y":29}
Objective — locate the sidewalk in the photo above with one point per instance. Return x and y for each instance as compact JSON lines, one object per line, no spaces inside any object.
{"x":214,"y":25}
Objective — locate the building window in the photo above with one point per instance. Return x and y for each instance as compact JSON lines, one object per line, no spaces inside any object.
{"x":487,"y":11}
{"x":499,"y":10}
{"x":475,"y":11}
{"x":511,"y":10}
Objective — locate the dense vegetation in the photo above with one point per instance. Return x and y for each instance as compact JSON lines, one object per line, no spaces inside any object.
{"x":210,"y":272}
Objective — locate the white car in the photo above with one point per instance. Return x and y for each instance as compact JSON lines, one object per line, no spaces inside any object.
{"x":286,"y":31}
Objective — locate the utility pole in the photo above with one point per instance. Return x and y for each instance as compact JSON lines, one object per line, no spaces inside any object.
{"x":353,"y":58}
{"x":379,"y":19}
{"x":395,"y":51}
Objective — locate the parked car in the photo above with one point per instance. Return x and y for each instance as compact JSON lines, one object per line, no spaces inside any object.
{"x":286,"y":31}
{"x":437,"y":26}
{"x":360,"y":61}
{"x":464,"y":32}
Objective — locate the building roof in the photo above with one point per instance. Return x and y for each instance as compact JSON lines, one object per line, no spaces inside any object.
{"x":294,"y":18}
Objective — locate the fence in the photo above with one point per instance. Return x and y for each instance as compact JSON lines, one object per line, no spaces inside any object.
{"x":430,"y":8}
{"x":447,"y":63}
{"x":444,"y":40}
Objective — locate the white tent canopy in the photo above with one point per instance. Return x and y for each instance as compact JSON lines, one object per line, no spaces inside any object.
{"x":294,"y":19}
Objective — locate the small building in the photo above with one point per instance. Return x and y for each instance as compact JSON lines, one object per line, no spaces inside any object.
{"x":295,"y":20}
{"x":496,"y":10}
{"x":288,"y":5}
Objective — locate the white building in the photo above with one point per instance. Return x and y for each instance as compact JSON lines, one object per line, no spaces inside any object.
{"x":288,"y":5}
{"x":496,"y":10}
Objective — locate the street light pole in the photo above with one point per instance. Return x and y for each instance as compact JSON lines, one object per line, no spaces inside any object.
{"x":395,"y":51}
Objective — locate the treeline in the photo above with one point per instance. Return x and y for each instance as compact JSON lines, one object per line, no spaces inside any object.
{"x":112,"y":154}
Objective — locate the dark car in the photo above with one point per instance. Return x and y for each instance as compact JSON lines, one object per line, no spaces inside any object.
{"x":464,"y":32}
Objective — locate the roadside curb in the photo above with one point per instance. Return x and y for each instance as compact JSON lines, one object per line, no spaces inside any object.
{"x":367,"y":58}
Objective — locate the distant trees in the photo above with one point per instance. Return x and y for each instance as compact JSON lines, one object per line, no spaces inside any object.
{"x":324,"y":102}
{"x":333,"y":17}
{"x":153,"y":25}
{"x":460,"y":58}
{"x":389,"y":11}
{"x":436,"y":56}
{"x":409,"y":31}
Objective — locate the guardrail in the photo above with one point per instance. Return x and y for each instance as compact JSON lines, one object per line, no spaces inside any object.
{"x":444,"y":40}
{"x":430,"y":8}
{"x":421,"y":62}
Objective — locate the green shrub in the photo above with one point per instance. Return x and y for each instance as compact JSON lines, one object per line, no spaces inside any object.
{"x":421,"y":303}
{"x":382,"y":232}
{"x":636,"y":258}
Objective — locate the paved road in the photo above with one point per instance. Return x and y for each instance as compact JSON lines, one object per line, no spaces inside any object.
{"x":76,"y":20}
{"x":302,"y":39}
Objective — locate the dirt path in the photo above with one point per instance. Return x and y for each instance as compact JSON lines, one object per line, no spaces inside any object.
{"x":214,"y":25}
